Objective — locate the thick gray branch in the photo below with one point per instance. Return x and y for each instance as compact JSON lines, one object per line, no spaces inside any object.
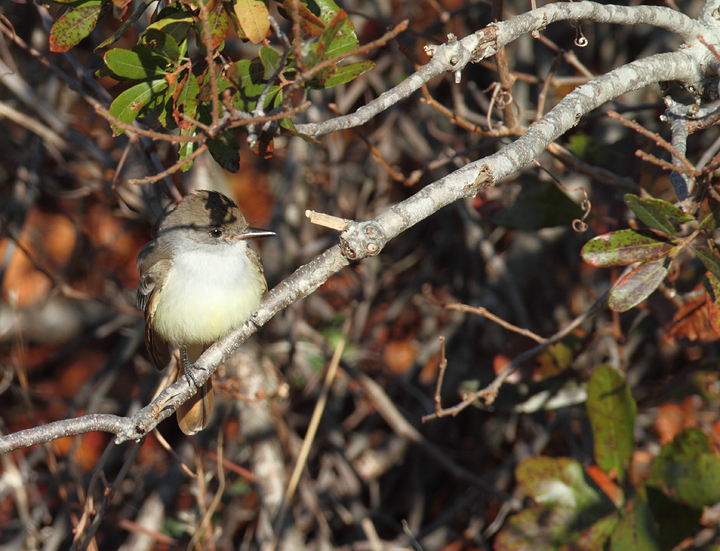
{"x":61,"y":429}
{"x":455,"y":55}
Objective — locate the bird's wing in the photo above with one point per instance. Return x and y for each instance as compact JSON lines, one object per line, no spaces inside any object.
{"x":152,"y":280}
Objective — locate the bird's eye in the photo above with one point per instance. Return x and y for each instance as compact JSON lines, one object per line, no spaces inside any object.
{"x":216,"y":232}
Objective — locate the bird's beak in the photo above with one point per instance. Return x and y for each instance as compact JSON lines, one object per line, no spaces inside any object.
{"x":254,"y":233}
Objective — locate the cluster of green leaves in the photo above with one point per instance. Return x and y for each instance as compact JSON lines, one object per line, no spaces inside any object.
{"x":572,"y":512}
{"x":163,"y":79}
{"x":654,"y":249}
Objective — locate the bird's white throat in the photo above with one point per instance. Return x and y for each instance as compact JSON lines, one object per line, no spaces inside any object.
{"x":210,"y":290}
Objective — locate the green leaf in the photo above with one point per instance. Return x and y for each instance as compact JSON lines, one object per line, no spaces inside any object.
{"x":175,"y":22}
{"x":270,"y":60}
{"x":712,"y":299}
{"x":185,"y":149}
{"x":75,"y":25}
{"x":569,"y":511}
{"x":710,"y":259}
{"x":126,"y":25}
{"x":687,"y":470}
{"x":636,"y":530}
{"x":128,"y":105}
{"x":246,"y":76}
{"x":668,"y":209}
{"x":339,"y":75}
{"x":675,"y":521}
{"x":159,"y":43}
{"x":560,"y":481}
{"x":344,"y":39}
{"x":558,"y":356}
{"x":623,"y":247}
{"x":639,"y":284}
{"x":539,"y":205}
{"x":648,"y":213}
{"x":337,"y":38}
{"x":710,"y":214}
{"x":245,"y":73}
{"x":135,"y":65}
{"x":612,"y":413}
{"x":225,"y":150}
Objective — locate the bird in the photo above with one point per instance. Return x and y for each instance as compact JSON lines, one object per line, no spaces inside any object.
{"x":199,"y":280}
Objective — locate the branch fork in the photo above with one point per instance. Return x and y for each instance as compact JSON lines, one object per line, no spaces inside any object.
{"x":453,"y":55}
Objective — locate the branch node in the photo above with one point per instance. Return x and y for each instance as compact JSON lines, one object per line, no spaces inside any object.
{"x":362,"y":240}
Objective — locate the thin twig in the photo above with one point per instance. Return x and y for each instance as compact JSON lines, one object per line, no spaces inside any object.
{"x":441,"y":375}
{"x":480,"y":311}
{"x":658,"y":141}
{"x":327,"y":220}
{"x":489,"y":393}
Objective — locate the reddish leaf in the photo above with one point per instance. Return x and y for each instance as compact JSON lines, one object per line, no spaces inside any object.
{"x":309,"y":22}
{"x":636,"y":286}
{"x":672,"y":419}
{"x":693,"y":322}
{"x":218,"y":25}
{"x":75,"y":25}
{"x":606,"y":484}
{"x":623,"y":247}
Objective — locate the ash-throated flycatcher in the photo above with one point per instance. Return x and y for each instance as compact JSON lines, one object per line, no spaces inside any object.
{"x":199,"y":280}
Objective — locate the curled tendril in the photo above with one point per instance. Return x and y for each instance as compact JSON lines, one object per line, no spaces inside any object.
{"x":580,"y":40}
{"x":579,"y":224}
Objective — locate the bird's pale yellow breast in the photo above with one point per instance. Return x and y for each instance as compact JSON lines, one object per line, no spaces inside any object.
{"x":207,"y":294}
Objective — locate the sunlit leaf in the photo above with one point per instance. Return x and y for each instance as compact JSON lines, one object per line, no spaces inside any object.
{"x":252,"y":18}
{"x":569,"y":509}
{"x":135,"y":65}
{"x":639,"y":284}
{"x":623,"y":247}
{"x":270,"y":60}
{"x":340,"y":75}
{"x":218,"y":24}
{"x":668,"y":209}
{"x":185,"y":149}
{"x":75,"y":25}
{"x":344,"y":39}
{"x":612,"y":411}
{"x":128,"y":105}
{"x":175,"y":22}
{"x":650,"y":214}
{"x":553,"y":481}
